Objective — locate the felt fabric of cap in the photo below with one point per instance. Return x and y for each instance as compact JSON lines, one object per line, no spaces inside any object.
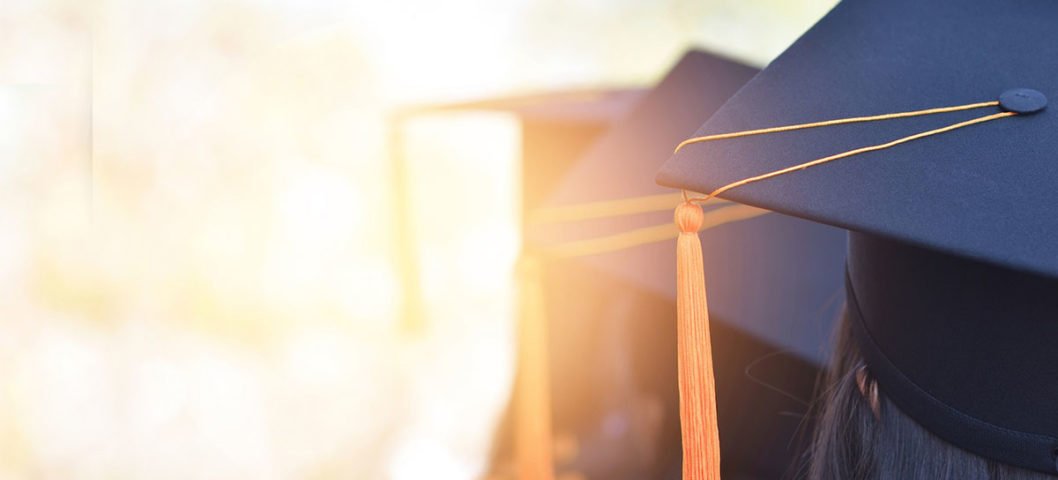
{"x":953,"y":257}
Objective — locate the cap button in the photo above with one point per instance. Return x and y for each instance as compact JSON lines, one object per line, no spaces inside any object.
{"x":1022,"y":100}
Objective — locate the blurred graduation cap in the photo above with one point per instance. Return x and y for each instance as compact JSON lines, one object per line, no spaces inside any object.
{"x":612,"y":336}
{"x":555,"y":128}
{"x":921,"y":127}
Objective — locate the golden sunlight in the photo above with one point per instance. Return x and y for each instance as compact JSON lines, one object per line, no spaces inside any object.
{"x":217,"y":217}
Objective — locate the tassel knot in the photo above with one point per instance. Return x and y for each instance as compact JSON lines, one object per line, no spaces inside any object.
{"x":689,"y":217}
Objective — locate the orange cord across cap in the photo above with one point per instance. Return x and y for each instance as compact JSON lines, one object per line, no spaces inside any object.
{"x":849,"y":153}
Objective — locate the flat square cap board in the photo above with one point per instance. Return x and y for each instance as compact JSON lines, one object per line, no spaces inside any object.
{"x":986,"y":191}
{"x":953,"y":259}
{"x":778,"y":277}
{"x":565,"y":106}
{"x":555,"y":127}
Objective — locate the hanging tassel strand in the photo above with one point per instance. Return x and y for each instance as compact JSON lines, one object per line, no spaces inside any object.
{"x":701,"y":438}
{"x":533,"y":440}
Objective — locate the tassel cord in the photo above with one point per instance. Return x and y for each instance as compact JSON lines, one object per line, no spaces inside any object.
{"x":701,"y":439}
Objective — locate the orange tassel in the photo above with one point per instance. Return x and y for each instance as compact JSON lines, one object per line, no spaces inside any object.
{"x":701,"y":439}
{"x":533,"y":442}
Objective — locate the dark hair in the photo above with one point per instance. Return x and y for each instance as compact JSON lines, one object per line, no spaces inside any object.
{"x":851,"y":443}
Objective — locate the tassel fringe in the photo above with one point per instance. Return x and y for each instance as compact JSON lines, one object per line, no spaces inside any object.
{"x":701,"y":439}
{"x":533,"y":440}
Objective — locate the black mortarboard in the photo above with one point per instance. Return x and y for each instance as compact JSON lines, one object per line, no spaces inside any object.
{"x":952,"y":272}
{"x":783,"y":290}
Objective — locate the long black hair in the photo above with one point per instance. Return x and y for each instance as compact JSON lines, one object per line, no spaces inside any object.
{"x":854,"y":440}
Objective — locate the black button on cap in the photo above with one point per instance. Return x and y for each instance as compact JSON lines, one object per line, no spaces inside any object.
{"x":1022,"y":100}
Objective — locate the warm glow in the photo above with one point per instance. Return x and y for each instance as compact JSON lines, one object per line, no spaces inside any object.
{"x":199,"y":269}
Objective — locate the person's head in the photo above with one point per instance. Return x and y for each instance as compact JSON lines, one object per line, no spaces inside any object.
{"x":860,"y":434}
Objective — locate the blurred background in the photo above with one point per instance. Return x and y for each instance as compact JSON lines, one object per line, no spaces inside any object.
{"x":271,"y":239}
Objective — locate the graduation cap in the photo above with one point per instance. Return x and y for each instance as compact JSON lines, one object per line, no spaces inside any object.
{"x":554,"y":127}
{"x":921,"y":127}
{"x":603,"y":305}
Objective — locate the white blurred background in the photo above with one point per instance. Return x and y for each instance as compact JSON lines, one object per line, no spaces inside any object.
{"x":199,"y":276}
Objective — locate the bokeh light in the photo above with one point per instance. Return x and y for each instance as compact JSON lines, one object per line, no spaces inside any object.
{"x":199,"y":268}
